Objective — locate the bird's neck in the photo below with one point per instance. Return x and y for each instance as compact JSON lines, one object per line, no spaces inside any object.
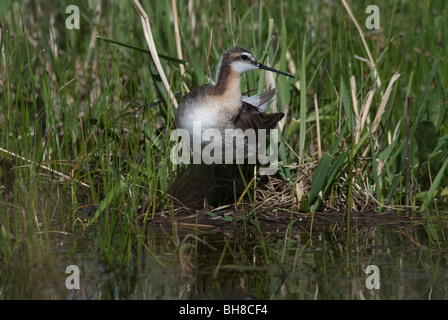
{"x":228,"y":87}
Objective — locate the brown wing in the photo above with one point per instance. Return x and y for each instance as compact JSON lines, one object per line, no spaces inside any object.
{"x":250,"y":117}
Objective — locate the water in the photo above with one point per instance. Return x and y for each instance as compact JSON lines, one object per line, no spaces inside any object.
{"x":279,"y":263}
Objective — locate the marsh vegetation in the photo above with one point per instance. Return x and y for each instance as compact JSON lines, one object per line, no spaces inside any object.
{"x":85,"y":166}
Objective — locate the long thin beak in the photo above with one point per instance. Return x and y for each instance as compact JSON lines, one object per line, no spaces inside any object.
{"x":262,"y":66}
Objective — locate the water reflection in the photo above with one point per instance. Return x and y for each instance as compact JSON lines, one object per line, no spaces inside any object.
{"x":285,"y":263}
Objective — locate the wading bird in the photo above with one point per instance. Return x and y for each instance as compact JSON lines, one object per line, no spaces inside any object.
{"x":221,"y":106}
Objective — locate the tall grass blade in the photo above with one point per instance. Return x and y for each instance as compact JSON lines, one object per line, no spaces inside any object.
{"x":376,"y":178}
{"x":122,"y":44}
{"x":303,"y":86}
{"x":319,"y":179}
{"x":113,"y":194}
{"x":430,"y":195}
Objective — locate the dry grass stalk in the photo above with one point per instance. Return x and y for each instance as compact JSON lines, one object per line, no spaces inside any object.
{"x":383,"y":103}
{"x":178,"y":46}
{"x":360,"y":115}
{"x":370,"y":63}
{"x":365,"y":108}
{"x":153,"y":50}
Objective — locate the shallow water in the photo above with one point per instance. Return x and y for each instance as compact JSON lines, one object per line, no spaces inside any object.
{"x":288,"y":263}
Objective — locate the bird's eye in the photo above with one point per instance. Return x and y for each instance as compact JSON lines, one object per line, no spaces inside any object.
{"x":244,"y":57}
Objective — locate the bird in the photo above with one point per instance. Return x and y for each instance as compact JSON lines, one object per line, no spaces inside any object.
{"x":222,"y":106}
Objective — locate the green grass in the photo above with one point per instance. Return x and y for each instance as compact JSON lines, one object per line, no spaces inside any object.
{"x":96,"y":111}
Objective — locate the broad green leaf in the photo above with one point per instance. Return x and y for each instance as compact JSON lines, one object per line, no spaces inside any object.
{"x":319,"y":178}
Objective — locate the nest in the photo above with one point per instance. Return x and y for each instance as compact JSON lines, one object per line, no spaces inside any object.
{"x":211,"y":196}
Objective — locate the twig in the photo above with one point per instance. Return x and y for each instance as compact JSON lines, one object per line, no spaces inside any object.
{"x":153,"y":50}
{"x":45,"y":168}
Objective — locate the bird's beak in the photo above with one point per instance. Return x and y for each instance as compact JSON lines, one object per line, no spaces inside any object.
{"x":262,"y":66}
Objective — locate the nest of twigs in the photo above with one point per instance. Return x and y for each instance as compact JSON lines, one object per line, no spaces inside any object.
{"x":211,"y":196}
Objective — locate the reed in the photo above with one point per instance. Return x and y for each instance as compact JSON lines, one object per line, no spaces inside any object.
{"x":86,"y":115}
